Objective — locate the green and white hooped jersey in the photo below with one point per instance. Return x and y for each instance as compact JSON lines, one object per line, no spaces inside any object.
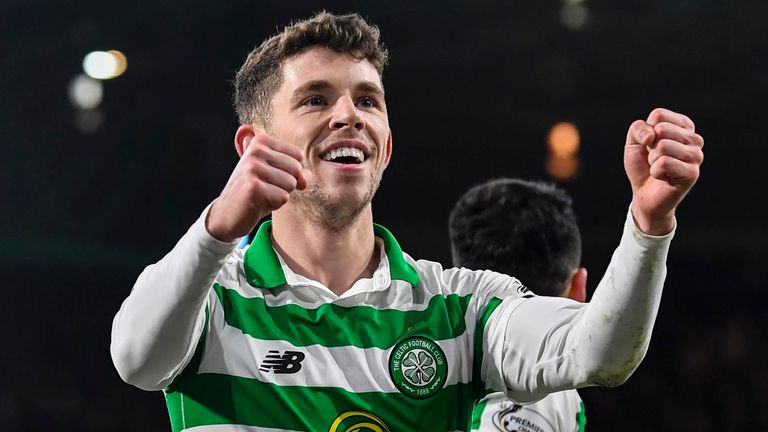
{"x":397,"y":352}
{"x":558,"y":412}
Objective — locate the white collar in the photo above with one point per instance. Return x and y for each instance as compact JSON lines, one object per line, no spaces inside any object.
{"x":381,"y":279}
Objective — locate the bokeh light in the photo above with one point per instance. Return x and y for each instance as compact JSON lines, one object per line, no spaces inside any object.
{"x":563,"y":140}
{"x":121,"y":60}
{"x":574,"y":15}
{"x":105,"y":64}
{"x":85,"y":92}
{"x":563,"y":143}
{"x":563,"y":168}
{"x":89,"y":121}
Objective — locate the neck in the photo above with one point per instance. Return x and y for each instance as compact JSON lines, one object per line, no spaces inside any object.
{"x":337,"y":258}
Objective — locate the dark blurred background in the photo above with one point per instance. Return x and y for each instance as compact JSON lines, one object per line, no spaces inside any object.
{"x":92,"y":195}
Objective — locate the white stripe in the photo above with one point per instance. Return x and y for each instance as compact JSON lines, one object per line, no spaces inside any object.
{"x":399,"y":296}
{"x":434,"y":280}
{"x":229,"y":351}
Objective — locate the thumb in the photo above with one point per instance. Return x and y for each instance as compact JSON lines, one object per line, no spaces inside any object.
{"x":640,"y":133}
{"x":639,"y":137}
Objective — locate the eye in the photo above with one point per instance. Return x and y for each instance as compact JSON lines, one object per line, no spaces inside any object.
{"x":367,"y":102}
{"x":314,"y":101}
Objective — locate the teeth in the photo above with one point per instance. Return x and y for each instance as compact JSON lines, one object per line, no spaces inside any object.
{"x":345,"y":152}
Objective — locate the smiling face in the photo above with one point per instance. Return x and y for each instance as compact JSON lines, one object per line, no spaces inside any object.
{"x":332,"y":107}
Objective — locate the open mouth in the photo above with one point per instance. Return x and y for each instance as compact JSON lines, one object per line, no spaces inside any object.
{"x":345,"y":155}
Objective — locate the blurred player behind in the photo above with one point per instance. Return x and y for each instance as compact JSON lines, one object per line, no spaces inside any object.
{"x":527,"y":229}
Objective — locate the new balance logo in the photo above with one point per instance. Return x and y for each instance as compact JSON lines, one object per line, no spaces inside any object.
{"x":287,"y":363}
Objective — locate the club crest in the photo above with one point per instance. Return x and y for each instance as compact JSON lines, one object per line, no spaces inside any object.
{"x":418,"y":367}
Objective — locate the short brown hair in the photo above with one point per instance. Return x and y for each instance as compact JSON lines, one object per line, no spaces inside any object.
{"x":261,"y":75}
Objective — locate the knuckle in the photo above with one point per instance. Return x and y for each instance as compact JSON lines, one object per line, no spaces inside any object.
{"x":296,"y":154}
{"x":689,"y":136}
{"x":664,"y":162}
{"x":250,"y":165}
{"x":296,"y":168}
{"x":663,"y":129}
{"x":254,"y":187}
{"x":278,"y":199}
{"x":664,"y":146}
{"x":654,"y":116}
{"x":260,"y":151}
{"x":292,"y":182}
{"x":698,"y":156}
{"x":658,"y":112}
{"x":698,"y":140}
{"x":689,"y":123}
{"x":257,"y":168}
{"x":689,"y":174}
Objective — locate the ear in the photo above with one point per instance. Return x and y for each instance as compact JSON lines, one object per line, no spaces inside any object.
{"x":388,"y":149}
{"x":577,"y":289}
{"x":243,"y":137}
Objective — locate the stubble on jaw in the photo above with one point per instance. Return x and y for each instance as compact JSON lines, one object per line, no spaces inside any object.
{"x":331,"y":214}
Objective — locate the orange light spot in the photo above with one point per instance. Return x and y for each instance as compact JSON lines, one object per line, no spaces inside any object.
{"x":563,"y":140}
{"x":562,"y":168}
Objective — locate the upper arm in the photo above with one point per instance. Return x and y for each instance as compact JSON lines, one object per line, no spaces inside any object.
{"x":193,"y":356}
{"x":528,"y":344}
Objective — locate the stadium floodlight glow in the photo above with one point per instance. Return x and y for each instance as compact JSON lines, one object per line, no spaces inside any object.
{"x":574,"y":16}
{"x":104,"y":64}
{"x":563,"y":143}
{"x":563,"y":140}
{"x":85,"y":92}
{"x":563,"y":168}
{"x":122,"y":62}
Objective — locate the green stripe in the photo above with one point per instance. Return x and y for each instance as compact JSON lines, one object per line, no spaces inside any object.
{"x":477,"y":414}
{"x":263,"y":269}
{"x":581,"y":418}
{"x":188,"y":373}
{"x":332,"y":325}
{"x":210,"y":399}
{"x":194,"y":363}
{"x":399,"y":269}
{"x":477,"y":361}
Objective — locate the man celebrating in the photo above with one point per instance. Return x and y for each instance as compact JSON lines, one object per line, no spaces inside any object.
{"x":529,"y":229}
{"x":323,"y":323}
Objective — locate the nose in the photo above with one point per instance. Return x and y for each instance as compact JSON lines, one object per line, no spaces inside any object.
{"x":346,"y":115}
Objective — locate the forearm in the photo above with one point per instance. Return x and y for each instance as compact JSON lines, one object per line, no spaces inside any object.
{"x":154,"y":331}
{"x":618,"y":322}
{"x":553,"y":344}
